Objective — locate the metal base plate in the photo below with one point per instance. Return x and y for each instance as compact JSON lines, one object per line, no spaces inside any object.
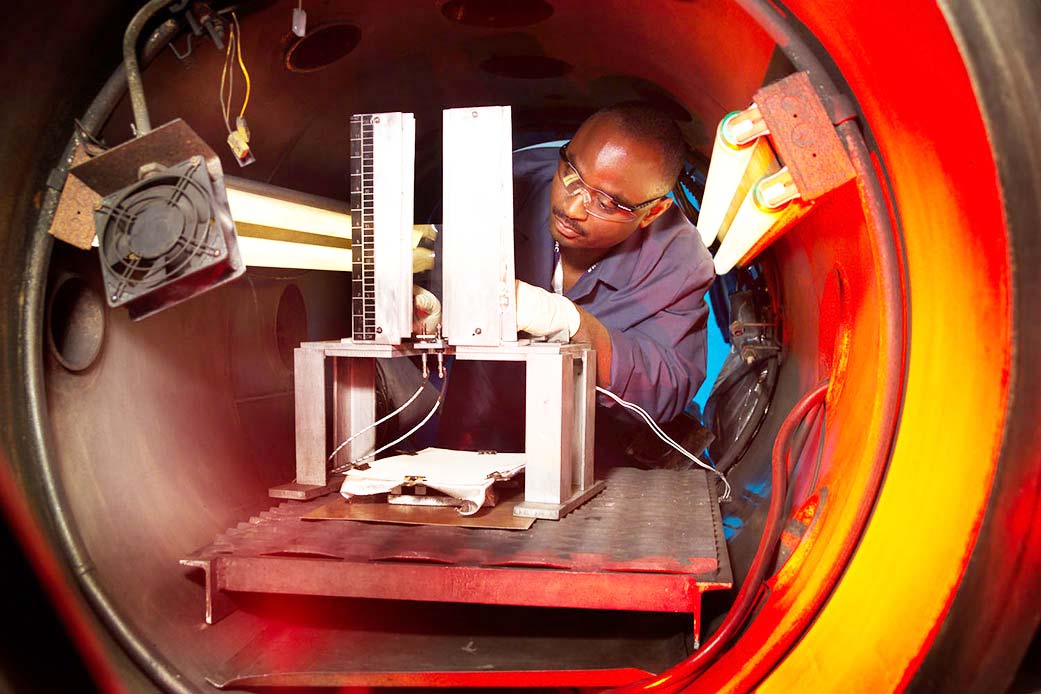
{"x":534,"y":509}
{"x":304,"y":492}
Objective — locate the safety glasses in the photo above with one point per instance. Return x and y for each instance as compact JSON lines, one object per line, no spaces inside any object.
{"x":597,"y":202}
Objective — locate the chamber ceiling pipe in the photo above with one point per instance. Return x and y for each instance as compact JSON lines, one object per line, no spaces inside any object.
{"x":142,"y":123}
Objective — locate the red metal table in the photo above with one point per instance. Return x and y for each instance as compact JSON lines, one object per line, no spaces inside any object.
{"x":651,"y":541}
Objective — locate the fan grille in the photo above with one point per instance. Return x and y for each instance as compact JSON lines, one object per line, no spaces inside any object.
{"x":157,"y":231}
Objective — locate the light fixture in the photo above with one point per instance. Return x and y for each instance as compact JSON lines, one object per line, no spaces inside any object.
{"x":278,"y":227}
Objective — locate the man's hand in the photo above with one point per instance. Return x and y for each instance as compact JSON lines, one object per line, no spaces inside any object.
{"x":426,"y":311}
{"x":542,"y":313}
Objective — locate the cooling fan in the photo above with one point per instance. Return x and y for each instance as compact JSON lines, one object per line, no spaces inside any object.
{"x":166,"y":238}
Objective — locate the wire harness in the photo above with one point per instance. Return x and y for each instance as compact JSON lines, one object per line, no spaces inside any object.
{"x":633,"y":407}
{"x":238,"y":137}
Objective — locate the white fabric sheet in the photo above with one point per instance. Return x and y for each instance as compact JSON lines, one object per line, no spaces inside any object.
{"x":464,"y":475}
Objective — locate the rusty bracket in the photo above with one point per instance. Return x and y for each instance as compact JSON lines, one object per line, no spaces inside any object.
{"x":73,"y":220}
{"x":803,"y":136}
{"x":92,"y":178}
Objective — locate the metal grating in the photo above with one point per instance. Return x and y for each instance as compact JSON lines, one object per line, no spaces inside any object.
{"x":652,"y":542}
{"x":659,"y":521}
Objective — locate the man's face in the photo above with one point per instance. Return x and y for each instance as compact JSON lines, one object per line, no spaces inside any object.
{"x":611,"y":161}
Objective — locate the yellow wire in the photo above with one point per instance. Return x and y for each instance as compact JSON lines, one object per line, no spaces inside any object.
{"x":225,"y":108}
{"x":242,"y":65}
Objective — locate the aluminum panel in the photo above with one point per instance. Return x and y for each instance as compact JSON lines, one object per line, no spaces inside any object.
{"x":382,"y":186}
{"x":478,"y":286}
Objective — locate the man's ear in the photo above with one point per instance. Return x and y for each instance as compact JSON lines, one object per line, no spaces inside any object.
{"x":656,"y":210}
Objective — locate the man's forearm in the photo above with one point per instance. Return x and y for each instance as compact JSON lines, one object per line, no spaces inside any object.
{"x":593,"y":331}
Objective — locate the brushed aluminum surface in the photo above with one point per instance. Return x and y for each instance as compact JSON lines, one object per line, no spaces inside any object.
{"x":478,"y":289}
{"x":383,"y":147}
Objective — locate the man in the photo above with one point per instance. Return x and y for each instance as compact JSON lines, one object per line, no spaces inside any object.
{"x":601,"y":253}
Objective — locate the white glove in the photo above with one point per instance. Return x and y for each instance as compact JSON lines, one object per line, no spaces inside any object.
{"x":426,"y":311}
{"x":422,"y":257}
{"x":542,"y":313}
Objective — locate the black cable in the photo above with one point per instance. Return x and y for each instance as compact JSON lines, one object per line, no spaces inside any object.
{"x":747,"y":597}
{"x":740,"y":445}
{"x":36,"y":425}
{"x":88,"y":139}
{"x":142,"y":123}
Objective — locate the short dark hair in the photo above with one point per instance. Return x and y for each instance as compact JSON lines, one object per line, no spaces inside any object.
{"x":652,"y":125}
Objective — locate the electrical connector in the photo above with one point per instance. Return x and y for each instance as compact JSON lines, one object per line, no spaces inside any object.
{"x":238,"y":138}
{"x":238,"y":141}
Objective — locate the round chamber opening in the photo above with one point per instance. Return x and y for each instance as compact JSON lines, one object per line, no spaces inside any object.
{"x":290,"y":323}
{"x":322,"y":47}
{"x":498,"y":14}
{"x":527,"y":67}
{"x":75,"y":323}
{"x":822,"y":347}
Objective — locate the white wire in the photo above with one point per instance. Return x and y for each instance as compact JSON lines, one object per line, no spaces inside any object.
{"x":633,"y":407}
{"x":379,"y":421}
{"x":400,"y":438}
{"x":437,"y":403}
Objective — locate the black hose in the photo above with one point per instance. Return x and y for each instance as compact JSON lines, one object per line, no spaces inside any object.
{"x":142,"y":123}
{"x":748,"y":596}
{"x":761,"y":565}
{"x":143,"y":653}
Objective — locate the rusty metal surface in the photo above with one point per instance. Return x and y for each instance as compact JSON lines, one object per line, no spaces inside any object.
{"x":646,"y":520}
{"x":803,"y":135}
{"x":74,"y":218}
{"x":167,"y":145}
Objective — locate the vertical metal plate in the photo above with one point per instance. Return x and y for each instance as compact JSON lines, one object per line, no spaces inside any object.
{"x":383,"y":147}
{"x":309,"y":370}
{"x":478,"y":286}
{"x":354,"y":406}
{"x":548,"y":435}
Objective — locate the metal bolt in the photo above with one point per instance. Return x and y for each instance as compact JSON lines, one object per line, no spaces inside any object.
{"x":477,"y":331}
{"x":474,"y":114}
{"x":148,"y":169}
{"x":379,"y":331}
{"x":375,"y":119}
